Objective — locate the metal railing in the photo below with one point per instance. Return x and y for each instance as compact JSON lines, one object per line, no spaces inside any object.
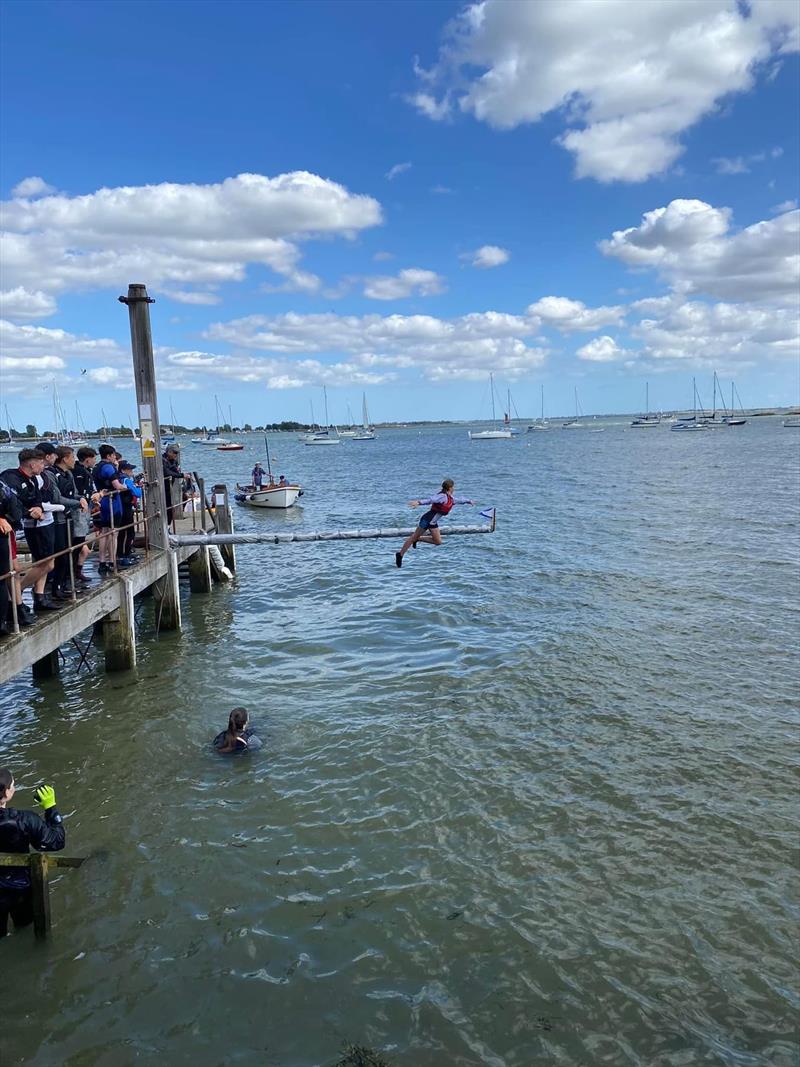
{"x":139,"y":525}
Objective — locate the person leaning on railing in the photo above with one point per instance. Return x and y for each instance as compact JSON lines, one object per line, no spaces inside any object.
{"x":61,"y":470}
{"x":82,"y":520}
{"x":10,"y":517}
{"x":37,"y":520}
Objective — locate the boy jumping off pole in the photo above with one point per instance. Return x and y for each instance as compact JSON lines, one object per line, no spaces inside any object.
{"x":428,"y":527}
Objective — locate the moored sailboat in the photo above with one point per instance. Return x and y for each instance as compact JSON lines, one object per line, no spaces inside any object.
{"x":498,"y":433}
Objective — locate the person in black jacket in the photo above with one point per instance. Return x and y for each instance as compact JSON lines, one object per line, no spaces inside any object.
{"x":24,"y":481}
{"x":73,"y":502}
{"x":10,"y":518}
{"x":19,"y":832}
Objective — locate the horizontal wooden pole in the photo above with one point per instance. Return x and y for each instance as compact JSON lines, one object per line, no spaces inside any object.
{"x":23,"y":859}
{"x":239,"y":538}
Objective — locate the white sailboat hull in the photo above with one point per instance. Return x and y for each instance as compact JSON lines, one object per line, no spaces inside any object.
{"x":489,"y":435}
{"x":322,"y":441}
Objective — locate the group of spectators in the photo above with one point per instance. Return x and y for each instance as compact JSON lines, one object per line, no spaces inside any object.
{"x":54,"y":498}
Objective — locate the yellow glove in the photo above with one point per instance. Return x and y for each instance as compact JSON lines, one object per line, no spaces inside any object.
{"x":46,"y":796}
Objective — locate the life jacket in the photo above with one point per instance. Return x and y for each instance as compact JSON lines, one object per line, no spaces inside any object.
{"x":442,"y":509}
{"x":103,"y":481}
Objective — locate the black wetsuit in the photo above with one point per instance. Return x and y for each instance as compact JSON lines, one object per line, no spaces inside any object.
{"x":19,"y":832}
{"x":252,"y":742}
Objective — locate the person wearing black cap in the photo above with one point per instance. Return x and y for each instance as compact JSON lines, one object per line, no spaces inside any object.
{"x":172,"y":470}
{"x":19,"y":832}
{"x":125,"y":556}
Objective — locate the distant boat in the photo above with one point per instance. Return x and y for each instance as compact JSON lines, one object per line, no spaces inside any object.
{"x":573,"y":424}
{"x":349,"y":432}
{"x":232,"y":446}
{"x":498,"y":433}
{"x":647,"y":420}
{"x":542,"y":424}
{"x":733,"y":419}
{"x":366,"y":433}
{"x":324,"y":436}
{"x":8,"y":446}
{"x":691,"y":422}
{"x":791,"y":424}
{"x":213,"y":440}
{"x":268,"y":496}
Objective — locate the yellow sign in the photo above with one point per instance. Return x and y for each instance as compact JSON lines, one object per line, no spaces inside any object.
{"x":146,"y":436}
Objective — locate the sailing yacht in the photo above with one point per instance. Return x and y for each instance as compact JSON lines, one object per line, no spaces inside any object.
{"x":366,"y":433}
{"x":542,"y":424}
{"x":647,"y":420}
{"x":691,"y":422}
{"x":215,"y":439}
{"x":498,"y":433}
{"x":324,"y":436}
{"x":8,"y":446}
{"x":573,"y":424}
{"x":350,"y":432}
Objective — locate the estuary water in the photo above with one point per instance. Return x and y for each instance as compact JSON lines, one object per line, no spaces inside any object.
{"x":531,"y":799}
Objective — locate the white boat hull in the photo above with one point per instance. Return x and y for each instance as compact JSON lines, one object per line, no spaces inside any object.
{"x":274,"y":497}
{"x":368,"y":436}
{"x":323,"y":441}
{"x":489,"y":435}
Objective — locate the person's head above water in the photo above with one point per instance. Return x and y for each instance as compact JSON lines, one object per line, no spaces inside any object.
{"x":237,"y":720}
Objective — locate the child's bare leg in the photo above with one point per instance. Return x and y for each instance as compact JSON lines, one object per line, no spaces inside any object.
{"x":409,"y":541}
{"x":436,"y":535}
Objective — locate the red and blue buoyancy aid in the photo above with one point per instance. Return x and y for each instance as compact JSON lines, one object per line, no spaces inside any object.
{"x":443,"y":508}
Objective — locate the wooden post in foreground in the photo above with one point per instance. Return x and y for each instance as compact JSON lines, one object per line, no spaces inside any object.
{"x":48,"y":666}
{"x":223,"y":520}
{"x":39,"y":865}
{"x":168,"y":608}
{"x":200,"y":572}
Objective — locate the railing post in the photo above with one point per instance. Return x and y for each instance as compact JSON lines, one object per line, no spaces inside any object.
{"x":157,"y":525}
{"x":40,"y":895}
{"x":223,"y":520}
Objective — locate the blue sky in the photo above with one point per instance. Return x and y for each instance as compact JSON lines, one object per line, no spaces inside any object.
{"x":399,"y":198}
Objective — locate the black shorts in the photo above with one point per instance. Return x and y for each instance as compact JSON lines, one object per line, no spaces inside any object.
{"x":41,"y":540}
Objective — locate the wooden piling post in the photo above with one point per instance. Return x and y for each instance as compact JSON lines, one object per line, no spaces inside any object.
{"x":155,"y":501}
{"x":200,"y":572}
{"x":119,"y":632}
{"x":40,"y":895}
{"x":223,"y":519}
{"x":48,"y":666}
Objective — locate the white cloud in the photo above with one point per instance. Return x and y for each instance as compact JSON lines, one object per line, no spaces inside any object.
{"x":569,"y":315}
{"x":182,"y":296}
{"x":689,"y":243}
{"x":19,"y":303}
{"x":38,"y":364}
{"x":40,"y":340}
{"x":410,"y":282}
{"x":398,"y":168}
{"x":718,"y":336}
{"x":787,"y":205}
{"x":171,"y":233}
{"x":737,"y":165}
{"x":487,"y":256}
{"x":601,"y":350}
{"x":627,"y":78}
{"x":441,"y":190}
{"x":32,"y":187}
{"x":382,"y":257}
{"x":467,"y":347}
{"x":114,"y":376}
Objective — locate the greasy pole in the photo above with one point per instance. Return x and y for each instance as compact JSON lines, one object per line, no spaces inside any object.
{"x":168,"y":608}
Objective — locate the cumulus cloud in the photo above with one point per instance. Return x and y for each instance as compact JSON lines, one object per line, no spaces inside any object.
{"x":628,"y":79}
{"x":183,"y":296}
{"x":465,"y":347}
{"x":690,"y":244}
{"x":18,"y":340}
{"x":32,"y":187}
{"x":721,"y":336}
{"x":487,"y":256}
{"x":176,"y":234}
{"x":410,"y":282}
{"x":573,"y":315}
{"x":601,"y":350}
{"x":398,"y":168}
{"x":20,"y":303}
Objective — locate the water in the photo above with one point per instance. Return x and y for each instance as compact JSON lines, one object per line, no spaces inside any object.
{"x":527,"y":800}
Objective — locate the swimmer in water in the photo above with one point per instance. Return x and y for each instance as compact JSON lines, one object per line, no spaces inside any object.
{"x":239,"y":737}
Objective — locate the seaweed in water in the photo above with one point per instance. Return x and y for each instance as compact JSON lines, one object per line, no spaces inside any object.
{"x":359,"y":1056}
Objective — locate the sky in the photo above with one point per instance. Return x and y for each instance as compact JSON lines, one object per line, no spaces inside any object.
{"x":579,"y":197}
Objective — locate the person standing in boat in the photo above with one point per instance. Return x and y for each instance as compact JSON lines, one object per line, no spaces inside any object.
{"x":257,"y":476}
{"x":428,"y":527}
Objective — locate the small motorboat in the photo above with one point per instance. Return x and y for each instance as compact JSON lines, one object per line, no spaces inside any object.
{"x":268,"y":496}
{"x":232,"y":446}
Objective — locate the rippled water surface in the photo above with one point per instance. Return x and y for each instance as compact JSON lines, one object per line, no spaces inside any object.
{"x":528,"y":800}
